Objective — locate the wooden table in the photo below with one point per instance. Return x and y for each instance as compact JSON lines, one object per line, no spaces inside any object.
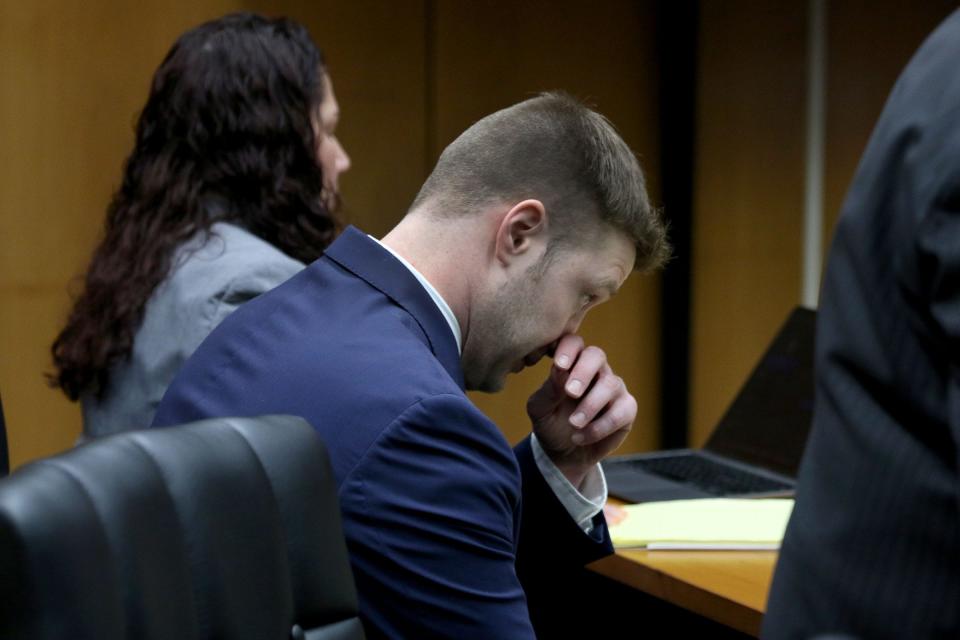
{"x":729,"y":587}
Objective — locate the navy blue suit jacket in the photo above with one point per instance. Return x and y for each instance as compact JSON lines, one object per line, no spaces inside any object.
{"x":873,"y":546}
{"x":431,"y":492}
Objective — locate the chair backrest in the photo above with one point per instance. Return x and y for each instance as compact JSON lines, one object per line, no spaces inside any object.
{"x":226,"y":528}
{"x":4,"y":452}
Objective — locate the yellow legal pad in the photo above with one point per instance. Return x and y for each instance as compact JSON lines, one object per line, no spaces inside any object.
{"x":711,"y":523}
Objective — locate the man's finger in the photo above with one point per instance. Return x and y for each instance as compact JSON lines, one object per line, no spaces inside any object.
{"x":567,"y":351}
{"x":606,"y":388}
{"x":592,"y":361}
{"x":618,"y":417}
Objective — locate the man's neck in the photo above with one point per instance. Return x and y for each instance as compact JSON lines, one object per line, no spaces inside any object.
{"x":444,"y":262}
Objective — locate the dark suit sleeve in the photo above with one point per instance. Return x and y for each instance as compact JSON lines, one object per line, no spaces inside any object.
{"x":552,"y":553}
{"x":872,"y":546}
{"x":431,"y":514}
{"x":937,"y":266}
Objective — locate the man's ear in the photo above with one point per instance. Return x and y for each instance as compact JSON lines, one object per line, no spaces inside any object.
{"x":521,"y":230}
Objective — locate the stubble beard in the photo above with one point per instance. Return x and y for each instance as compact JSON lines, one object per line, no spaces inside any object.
{"x":496,"y":336}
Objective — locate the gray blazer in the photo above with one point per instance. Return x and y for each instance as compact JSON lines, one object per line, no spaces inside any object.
{"x":210,"y":278}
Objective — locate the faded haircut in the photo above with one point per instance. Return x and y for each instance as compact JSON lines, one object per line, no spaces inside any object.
{"x":554,"y":149}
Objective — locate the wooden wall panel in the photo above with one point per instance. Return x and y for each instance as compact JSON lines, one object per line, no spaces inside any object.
{"x":376,"y":54}
{"x":493,"y":53}
{"x":409,"y":75}
{"x":412,"y":74}
{"x":748,"y":193}
{"x":869,"y":42}
{"x":72,"y":79}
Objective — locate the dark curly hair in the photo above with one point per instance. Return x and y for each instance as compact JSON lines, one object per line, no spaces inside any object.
{"x":226,"y":135}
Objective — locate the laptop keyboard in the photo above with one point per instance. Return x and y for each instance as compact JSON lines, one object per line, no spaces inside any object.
{"x":711,"y":476}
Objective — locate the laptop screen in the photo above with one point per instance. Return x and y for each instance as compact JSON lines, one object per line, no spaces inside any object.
{"x":768,"y":423}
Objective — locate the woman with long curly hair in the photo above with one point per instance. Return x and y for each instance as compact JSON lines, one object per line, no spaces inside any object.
{"x":228,"y":192}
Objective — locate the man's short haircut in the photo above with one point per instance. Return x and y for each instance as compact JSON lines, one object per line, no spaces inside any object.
{"x":554,"y":149}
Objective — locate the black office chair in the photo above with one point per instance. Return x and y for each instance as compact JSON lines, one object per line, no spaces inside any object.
{"x":226,"y":529}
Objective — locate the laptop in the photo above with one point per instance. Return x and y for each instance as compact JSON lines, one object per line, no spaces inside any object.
{"x":756,"y":448}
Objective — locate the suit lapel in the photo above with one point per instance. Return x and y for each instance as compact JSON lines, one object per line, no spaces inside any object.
{"x":357,"y":253}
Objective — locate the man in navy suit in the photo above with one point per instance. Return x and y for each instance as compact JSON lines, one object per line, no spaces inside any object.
{"x":873,"y":546}
{"x":533,"y":216}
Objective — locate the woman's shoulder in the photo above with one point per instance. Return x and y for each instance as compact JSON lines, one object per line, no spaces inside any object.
{"x":227,"y":253}
{"x":225,"y":242}
{"x":217,"y":264}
